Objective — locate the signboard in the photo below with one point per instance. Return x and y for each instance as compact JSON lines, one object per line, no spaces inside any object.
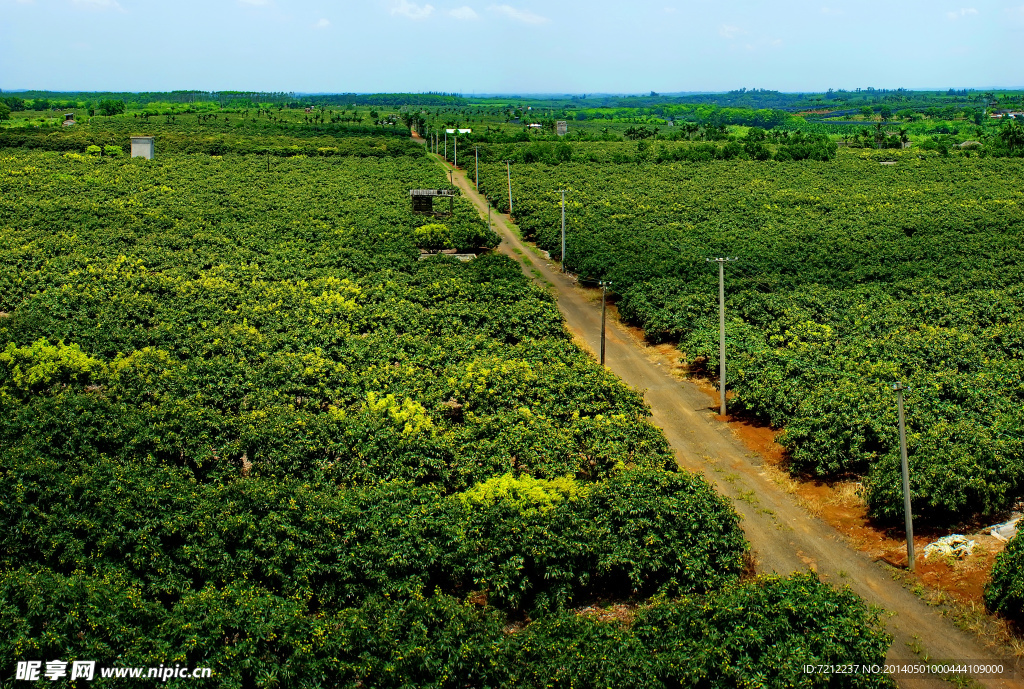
{"x":561,"y":127}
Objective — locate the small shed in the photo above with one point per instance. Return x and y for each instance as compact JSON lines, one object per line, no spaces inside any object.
{"x":561,"y":127}
{"x":142,"y":147}
{"x":423,"y":200}
{"x":69,"y":119}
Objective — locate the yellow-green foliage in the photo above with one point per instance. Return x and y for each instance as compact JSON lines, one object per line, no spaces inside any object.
{"x":434,"y":236}
{"x":41,"y":365}
{"x":409,"y":414}
{"x":525,"y":493}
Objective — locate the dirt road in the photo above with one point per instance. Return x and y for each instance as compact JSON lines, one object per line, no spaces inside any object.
{"x":784,"y":537}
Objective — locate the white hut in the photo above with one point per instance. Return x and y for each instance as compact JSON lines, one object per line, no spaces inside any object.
{"x":142,"y":147}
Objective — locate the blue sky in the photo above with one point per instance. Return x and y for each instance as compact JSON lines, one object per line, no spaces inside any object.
{"x":480,"y":46}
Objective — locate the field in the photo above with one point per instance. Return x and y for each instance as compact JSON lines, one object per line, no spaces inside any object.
{"x":243,"y":426}
{"x":851,"y":275}
{"x":863,"y":118}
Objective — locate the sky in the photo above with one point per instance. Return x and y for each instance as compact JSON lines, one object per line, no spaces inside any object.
{"x":527,"y":46}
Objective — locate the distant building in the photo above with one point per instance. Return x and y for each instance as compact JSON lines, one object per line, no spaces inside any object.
{"x":535,"y":126}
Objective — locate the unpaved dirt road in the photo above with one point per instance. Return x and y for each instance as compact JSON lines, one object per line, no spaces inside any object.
{"x":783,"y":536}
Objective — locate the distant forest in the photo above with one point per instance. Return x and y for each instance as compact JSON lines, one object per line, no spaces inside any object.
{"x":739,"y":98}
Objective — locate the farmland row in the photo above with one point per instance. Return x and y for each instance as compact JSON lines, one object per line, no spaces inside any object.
{"x":851,"y":275}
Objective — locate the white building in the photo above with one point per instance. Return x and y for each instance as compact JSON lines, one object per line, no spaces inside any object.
{"x":142,"y":147}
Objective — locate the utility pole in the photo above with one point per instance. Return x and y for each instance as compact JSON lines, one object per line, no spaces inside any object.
{"x":476,"y":151}
{"x":446,"y":144}
{"x":605,"y":284}
{"x":456,"y":150}
{"x":508,"y":168}
{"x":721,"y":324}
{"x":562,"y":192}
{"x":908,"y":515}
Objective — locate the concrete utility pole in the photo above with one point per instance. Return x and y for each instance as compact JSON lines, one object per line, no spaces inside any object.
{"x":562,"y":192}
{"x":508,"y":168}
{"x":476,"y":151}
{"x":605,"y":284}
{"x":721,"y":324}
{"x":908,"y":515}
{"x":456,"y":150}
{"x":446,"y":144}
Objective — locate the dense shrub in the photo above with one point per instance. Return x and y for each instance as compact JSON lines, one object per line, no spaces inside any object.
{"x":758,"y":633}
{"x":1004,"y":594}
{"x":527,"y":543}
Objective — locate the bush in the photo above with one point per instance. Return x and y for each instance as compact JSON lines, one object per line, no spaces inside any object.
{"x":94,"y":150}
{"x":433,"y":236}
{"x":546,"y":544}
{"x":957,"y":471}
{"x":113,"y":151}
{"x":1004,"y":594}
{"x":758,"y":633}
